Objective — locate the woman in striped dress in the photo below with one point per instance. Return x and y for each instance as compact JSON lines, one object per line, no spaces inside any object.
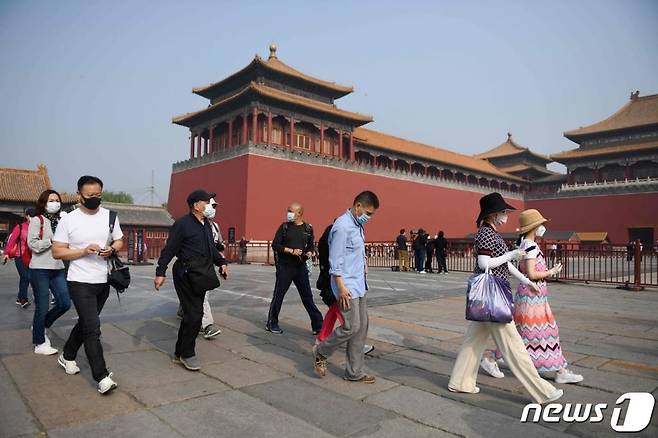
{"x":532,"y":314}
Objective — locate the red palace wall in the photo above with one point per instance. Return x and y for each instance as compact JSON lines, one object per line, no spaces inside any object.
{"x":611,"y":213}
{"x":253,"y":193}
{"x":227,"y":178}
{"x":254,"y":201}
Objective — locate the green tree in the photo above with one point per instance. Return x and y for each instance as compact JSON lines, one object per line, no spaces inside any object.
{"x":120,"y":197}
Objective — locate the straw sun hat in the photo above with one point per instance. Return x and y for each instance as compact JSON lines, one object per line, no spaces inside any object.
{"x":529,"y":220}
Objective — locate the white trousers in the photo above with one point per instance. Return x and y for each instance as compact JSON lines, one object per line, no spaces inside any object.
{"x":207,"y":313}
{"x":509,"y":343}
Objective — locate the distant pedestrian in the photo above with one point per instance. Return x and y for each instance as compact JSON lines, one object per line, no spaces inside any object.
{"x":243,"y":250}
{"x":441,"y":250}
{"x":630,"y":251}
{"x":552,"y":252}
{"x":429,"y":256}
{"x":420,"y":250}
{"x":403,"y":251}
{"x":18,"y":250}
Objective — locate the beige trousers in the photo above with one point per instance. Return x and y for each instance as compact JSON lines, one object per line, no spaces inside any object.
{"x":404,"y":260}
{"x":510,"y":344}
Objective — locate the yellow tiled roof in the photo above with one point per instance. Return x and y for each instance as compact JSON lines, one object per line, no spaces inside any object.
{"x":280,"y":95}
{"x":273,"y":63}
{"x":639,"y":111}
{"x":401,"y":145}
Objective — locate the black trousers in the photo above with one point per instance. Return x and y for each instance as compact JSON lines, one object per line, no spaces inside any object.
{"x":441,"y":260}
{"x":88,"y":300}
{"x":298,"y":274}
{"x":191,"y":301}
{"x":428,"y":262}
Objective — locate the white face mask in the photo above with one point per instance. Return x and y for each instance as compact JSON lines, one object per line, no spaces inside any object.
{"x":53,"y":207}
{"x":540,"y":231}
{"x":500,"y":219}
{"x":290,"y":216}
{"x":209,"y":211}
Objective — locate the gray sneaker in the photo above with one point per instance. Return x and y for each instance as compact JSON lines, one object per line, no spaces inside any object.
{"x":191,"y":363}
{"x":210,"y":331}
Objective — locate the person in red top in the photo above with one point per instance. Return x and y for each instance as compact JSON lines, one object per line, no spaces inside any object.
{"x":17,"y":249}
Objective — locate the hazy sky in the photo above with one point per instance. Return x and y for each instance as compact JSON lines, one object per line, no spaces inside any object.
{"x":91,"y":86}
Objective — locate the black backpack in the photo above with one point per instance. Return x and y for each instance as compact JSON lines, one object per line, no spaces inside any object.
{"x":308,"y":232}
{"x":324,"y":278}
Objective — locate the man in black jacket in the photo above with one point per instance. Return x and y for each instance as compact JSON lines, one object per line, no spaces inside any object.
{"x":190,"y":240}
{"x":420,"y":250}
{"x":441,"y":245}
{"x":293,"y":245}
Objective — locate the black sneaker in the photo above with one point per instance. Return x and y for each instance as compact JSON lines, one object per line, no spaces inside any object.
{"x":23,"y":303}
{"x":316,"y":332}
{"x":274,"y":329}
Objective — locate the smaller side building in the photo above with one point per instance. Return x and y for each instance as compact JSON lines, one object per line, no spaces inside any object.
{"x":20,"y":189}
{"x":145,"y":230}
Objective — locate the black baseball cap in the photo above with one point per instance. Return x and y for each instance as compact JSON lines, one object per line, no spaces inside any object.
{"x":199,"y":195}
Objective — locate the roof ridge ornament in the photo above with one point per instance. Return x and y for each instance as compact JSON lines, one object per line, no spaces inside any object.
{"x":509,"y":136}
{"x":272,"y":51}
{"x":635,"y":95}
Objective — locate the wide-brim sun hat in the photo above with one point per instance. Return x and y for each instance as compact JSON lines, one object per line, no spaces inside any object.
{"x":529,"y":220}
{"x":492,"y":203}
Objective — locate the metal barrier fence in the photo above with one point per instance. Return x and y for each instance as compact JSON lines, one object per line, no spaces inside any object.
{"x":587,"y":263}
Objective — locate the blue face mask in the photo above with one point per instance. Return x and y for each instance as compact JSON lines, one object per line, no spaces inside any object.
{"x":363,"y":219}
{"x":290,"y":216}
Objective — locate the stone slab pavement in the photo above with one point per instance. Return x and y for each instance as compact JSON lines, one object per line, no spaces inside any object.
{"x":254,"y":383}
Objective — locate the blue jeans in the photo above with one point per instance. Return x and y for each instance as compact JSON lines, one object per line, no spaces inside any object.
{"x":44,"y":281}
{"x":24,"y":273}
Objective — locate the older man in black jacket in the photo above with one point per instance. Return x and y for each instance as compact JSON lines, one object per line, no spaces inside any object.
{"x":191,"y":241}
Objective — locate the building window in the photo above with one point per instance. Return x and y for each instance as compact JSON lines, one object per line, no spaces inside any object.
{"x":302,"y":141}
{"x":276,"y":135}
{"x":327,"y":147}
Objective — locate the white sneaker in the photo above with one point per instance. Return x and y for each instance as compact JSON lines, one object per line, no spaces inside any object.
{"x":491,"y":367}
{"x":475,"y":391}
{"x":44,"y":349}
{"x":107,"y":384}
{"x":45,"y":335}
{"x":555,"y":396}
{"x":567,"y":376}
{"x":69,"y":365}
{"x":423,"y":272}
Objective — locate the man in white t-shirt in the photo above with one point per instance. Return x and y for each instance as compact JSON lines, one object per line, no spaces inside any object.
{"x":86,"y":238}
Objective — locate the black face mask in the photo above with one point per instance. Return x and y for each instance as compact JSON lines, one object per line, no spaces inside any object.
{"x":90,"y":203}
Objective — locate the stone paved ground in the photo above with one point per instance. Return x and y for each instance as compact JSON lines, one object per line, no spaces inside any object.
{"x":257,"y":384}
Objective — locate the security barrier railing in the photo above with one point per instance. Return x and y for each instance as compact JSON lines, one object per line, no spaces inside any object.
{"x":634,"y":268}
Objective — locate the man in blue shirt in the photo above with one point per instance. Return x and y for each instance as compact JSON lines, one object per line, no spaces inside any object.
{"x":347,"y":260}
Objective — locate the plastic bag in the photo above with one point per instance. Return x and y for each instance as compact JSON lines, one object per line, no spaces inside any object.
{"x":489,"y":298}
